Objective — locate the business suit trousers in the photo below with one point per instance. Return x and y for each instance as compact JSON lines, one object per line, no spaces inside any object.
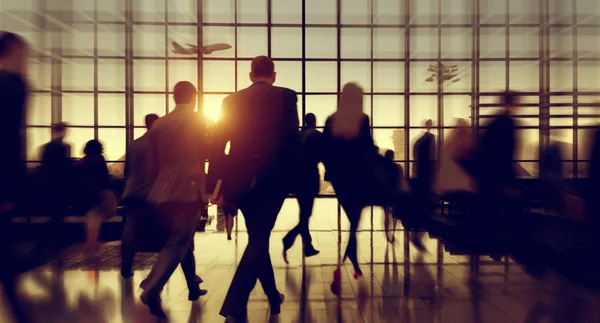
{"x":260,"y":209}
{"x":178,"y":248}
{"x":306,"y":201}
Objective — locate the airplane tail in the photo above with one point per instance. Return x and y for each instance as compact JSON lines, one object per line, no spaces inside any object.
{"x":177,"y":47}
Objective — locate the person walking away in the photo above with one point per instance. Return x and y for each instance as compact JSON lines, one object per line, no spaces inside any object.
{"x":261,"y":124}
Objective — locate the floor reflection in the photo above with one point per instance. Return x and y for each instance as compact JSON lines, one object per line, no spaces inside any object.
{"x":400,"y":285}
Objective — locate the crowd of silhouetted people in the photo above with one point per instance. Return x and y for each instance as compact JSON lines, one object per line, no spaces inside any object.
{"x":258,"y":154}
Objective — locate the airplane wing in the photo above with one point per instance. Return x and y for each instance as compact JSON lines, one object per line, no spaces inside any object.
{"x":178,"y":48}
{"x":194,"y":47}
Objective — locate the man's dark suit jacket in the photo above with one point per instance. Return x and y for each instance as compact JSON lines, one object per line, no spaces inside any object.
{"x":496,"y":153}
{"x":261,"y":124}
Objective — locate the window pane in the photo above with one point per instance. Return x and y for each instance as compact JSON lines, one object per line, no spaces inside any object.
{"x":527,"y":144}
{"x":36,"y":138}
{"x":320,"y":43}
{"x":111,"y":40}
{"x":215,"y":35}
{"x":524,"y":11}
{"x":356,"y":43}
{"x":561,"y":76}
{"x":252,"y":11}
{"x":78,"y":40}
{"x":388,"y":111}
{"x":560,"y":11}
{"x":457,"y":77}
{"x":182,"y":71}
{"x":564,"y":137}
{"x":39,"y":73}
{"x":588,"y":44}
{"x":77,"y":138}
{"x":388,"y":77}
{"x":286,"y":42}
{"x":149,"y":75}
{"x":456,"y":11}
{"x":388,"y":43}
{"x":456,"y":106}
{"x":111,"y":109}
{"x":524,"y":42}
{"x":588,"y":11}
{"x":218,"y":11}
{"x":211,"y":105}
{"x":111,"y":75}
{"x":219,"y":76}
{"x":424,"y":11}
{"x":422,"y":108}
{"x":423,"y":77}
{"x":322,"y":106}
{"x":357,"y":72}
{"x":243,"y":80}
{"x":114,"y":143}
{"x":389,"y":12}
{"x":78,"y":109}
{"x":78,"y":74}
{"x":492,"y":76}
{"x":456,"y":42}
{"x":286,"y":11}
{"x":112,"y":10}
{"x":320,"y":11}
{"x":492,"y":43}
{"x":149,"y":40}
{"x":289,"y":74}
{"x":144,"y":104}
{"x":149,"y":10}
{"x":525,"y":76}
{"x":356,"y":12}
{"x":252,"y":41}
{"x":493,"y":11}
{"x":182,"y":10}
{"x":183,"y":35}
{"x":424,"y":43}
{"x":587,"y":76}
{"x":39,"y":110}
{"x":398,"y":145}
{"x":321,"y":77}
{"x":561,"y":42}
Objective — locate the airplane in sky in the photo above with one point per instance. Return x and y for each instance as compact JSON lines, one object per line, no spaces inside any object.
{"x":449,"y":73}
{"x":193,"y":49}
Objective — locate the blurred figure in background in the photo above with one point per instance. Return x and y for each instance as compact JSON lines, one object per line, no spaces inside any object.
{"x":13,"y":104}
{"x":139,"y":178}
{"x":423,"y":171}
{"x":551,"y":175}
{"x":454,"y":182}
{"x":307,"y":185}
{"x":96,"y":196}
{"x":229,"y":212}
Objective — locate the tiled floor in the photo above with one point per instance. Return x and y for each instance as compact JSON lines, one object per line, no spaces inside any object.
{"x":396,"y":287}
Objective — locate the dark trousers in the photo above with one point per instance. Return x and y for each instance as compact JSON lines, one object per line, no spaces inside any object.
{"x":306,"y":201}
{"x":260,"y":208}
{"x":178,"y":248}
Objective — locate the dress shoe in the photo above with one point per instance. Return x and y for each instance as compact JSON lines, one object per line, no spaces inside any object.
{"x":126,"y":273}
{"x":231,"y":319}
{"x":154,"y":304}
{"x":310,"y":251}
{"x":196,"y":292}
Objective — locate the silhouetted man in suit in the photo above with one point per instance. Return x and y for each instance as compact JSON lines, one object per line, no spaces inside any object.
{"x":424,"y":154}
{"x":308,"y":184}
{"x":261,"y":124}
{"x":179,"y":145}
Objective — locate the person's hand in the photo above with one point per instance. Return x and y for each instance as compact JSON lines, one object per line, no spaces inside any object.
{"x":6,"y":207}
{"x":219,"y":201}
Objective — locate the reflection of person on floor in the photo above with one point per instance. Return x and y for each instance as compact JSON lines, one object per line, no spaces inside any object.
{"x":139,"y":178}
{"x":308,"y":184}
{"x":229,"y":212}
{"x":179,"y":145}
{"x":261,"y":124}
{"x":13,"y":98}
{"x":97,"y":198}
{"x":424,"y":154}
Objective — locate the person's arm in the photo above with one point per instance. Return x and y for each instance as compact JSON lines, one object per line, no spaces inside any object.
{"x":366,"y":136}
{"x":291,"y":123}
{"x":219,"y":137}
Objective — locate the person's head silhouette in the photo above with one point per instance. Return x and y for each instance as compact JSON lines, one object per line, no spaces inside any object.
{"x":93,"y":147}
{"x":184,"y":94}
{"x":389,"y":154}
{"x":59,"y":130}
{"x":510,"y":100}
{"x":428,"y":125}
{"x":13,"y":53}
{"x":150,"y":119}
{"x":262,"y":69}
{"x":310,"y":121}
